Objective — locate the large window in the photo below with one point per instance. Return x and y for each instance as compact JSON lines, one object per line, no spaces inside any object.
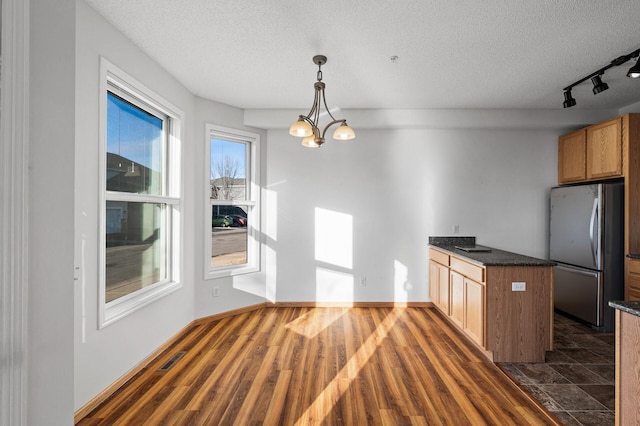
{"x":232,"y":208}
{"x":141,"y":201}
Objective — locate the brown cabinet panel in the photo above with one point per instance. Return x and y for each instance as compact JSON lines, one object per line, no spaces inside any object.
{"x":627,"y":369}
{"x":604,"y":149}
{"x":572,"y":157}
{"x":456,"y":283}
{"x":519,"y":323}
{"x":433,"y":281}
{"x":439,"y":286}
{"x":443,"y":289}
{"x":474,"y":311}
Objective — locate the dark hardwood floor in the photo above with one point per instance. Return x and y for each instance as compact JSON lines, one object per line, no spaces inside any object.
{"x":330,"y":366}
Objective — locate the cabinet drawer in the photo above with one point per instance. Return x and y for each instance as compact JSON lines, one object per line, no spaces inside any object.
{"x":474,"y":272}
{"x":438,"y":256}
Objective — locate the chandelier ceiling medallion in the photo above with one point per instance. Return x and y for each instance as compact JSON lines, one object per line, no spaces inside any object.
{"x":307,"y":126}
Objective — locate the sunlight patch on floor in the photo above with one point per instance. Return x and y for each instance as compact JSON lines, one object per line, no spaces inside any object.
{"x":312,"y":323}
{"x":324,"y":403}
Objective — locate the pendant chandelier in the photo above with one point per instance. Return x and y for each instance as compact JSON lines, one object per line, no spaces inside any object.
{"x":307,"y":126}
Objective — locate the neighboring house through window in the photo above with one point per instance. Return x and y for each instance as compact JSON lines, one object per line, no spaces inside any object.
{"x":140,"y":197}
{"x":232,"y":208}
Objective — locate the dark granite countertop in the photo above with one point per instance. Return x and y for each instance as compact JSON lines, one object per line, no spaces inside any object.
{"x":631,"y":307}
{"x":495,"y":257}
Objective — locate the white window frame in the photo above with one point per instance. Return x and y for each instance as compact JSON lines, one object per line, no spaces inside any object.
{"x":117,"y":81}
{"x":252,"y":200}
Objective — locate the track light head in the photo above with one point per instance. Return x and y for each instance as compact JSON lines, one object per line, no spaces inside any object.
{"x":634,"y":71}
{"x":568,"y":99}
{"x":598,"y":85}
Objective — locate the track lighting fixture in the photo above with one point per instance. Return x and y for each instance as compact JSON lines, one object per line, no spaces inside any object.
{"x":634,"y":71}
{"x":307,"y":125}
{"x":568,"y":99}
{"x":598,"y":85}
{"x":596,"y":77}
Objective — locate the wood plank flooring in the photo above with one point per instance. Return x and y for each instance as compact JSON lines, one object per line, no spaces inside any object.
{"x":321,"y":366}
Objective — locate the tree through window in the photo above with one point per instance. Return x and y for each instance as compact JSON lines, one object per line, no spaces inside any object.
{"x":232,"y":200}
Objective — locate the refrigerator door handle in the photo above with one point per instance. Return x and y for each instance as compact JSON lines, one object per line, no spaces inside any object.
{"x":593,"y":230}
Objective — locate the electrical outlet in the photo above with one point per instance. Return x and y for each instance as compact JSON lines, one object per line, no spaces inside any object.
{"x":363,"y":282}
{"x":456,"y":229}
{"x":216,"y":292}
{"x":518,"y":286}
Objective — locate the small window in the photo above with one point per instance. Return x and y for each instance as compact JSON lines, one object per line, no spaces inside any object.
{"x":140,"y":176}
{"x":232,"y":206}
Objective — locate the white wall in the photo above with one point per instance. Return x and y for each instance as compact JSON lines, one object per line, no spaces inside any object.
{"x":241,"y":290}
{"x":384,"y":193}
{"x":102,"y":356}
{"x":51,"y":198}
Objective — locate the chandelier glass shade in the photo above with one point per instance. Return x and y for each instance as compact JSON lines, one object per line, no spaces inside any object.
{"x":308,"y":126}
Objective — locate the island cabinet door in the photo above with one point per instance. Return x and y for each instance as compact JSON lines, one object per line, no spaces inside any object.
{"x":443,"y":289}
{"x":456,"y":301}
{"x":474,"y":311}
{"x":433,"y":282}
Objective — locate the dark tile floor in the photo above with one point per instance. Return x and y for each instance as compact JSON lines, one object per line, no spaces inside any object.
{"x":577,"y":380}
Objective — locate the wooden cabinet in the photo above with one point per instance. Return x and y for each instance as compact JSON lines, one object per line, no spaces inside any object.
{"x":572,"y":157}
{"x":467,"y":298}
{"x":433,"y":281}
{"x":467,"y":306}
{"x":456,"y":294}
{"x":507,"y":325}
{"x":457,"y":298}
{"x":443,"y":289}
{"x":604,"y":149}
{"x":439,"y":285}
{"x":631,"y":147}
{"x":632,"y":287}
{"x":627,"y":369}
{"x":439,"y":279}
{"x":474,"y":311}
{"x":592,"y":153}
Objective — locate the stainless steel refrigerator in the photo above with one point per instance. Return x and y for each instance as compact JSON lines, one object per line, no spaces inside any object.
{"x":586,"y":239}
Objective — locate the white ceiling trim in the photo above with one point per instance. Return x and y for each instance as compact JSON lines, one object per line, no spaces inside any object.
{"x":439,"y":118}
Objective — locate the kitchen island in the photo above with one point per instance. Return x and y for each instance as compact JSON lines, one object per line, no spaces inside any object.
{"x":502,"y":301}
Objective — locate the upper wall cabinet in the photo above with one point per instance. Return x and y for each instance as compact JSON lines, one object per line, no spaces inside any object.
{"x":572,"y":157}
{"x":593,"y":153}
{"x":604,"y":149}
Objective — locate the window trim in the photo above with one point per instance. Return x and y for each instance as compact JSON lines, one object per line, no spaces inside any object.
{"x":252,"y":200}
{"x":122,"y":84}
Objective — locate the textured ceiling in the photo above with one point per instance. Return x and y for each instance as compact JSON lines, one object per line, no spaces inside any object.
{"x":451,"y":54}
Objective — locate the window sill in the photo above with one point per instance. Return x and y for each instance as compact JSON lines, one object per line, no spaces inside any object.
{"x":120,"y":308}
